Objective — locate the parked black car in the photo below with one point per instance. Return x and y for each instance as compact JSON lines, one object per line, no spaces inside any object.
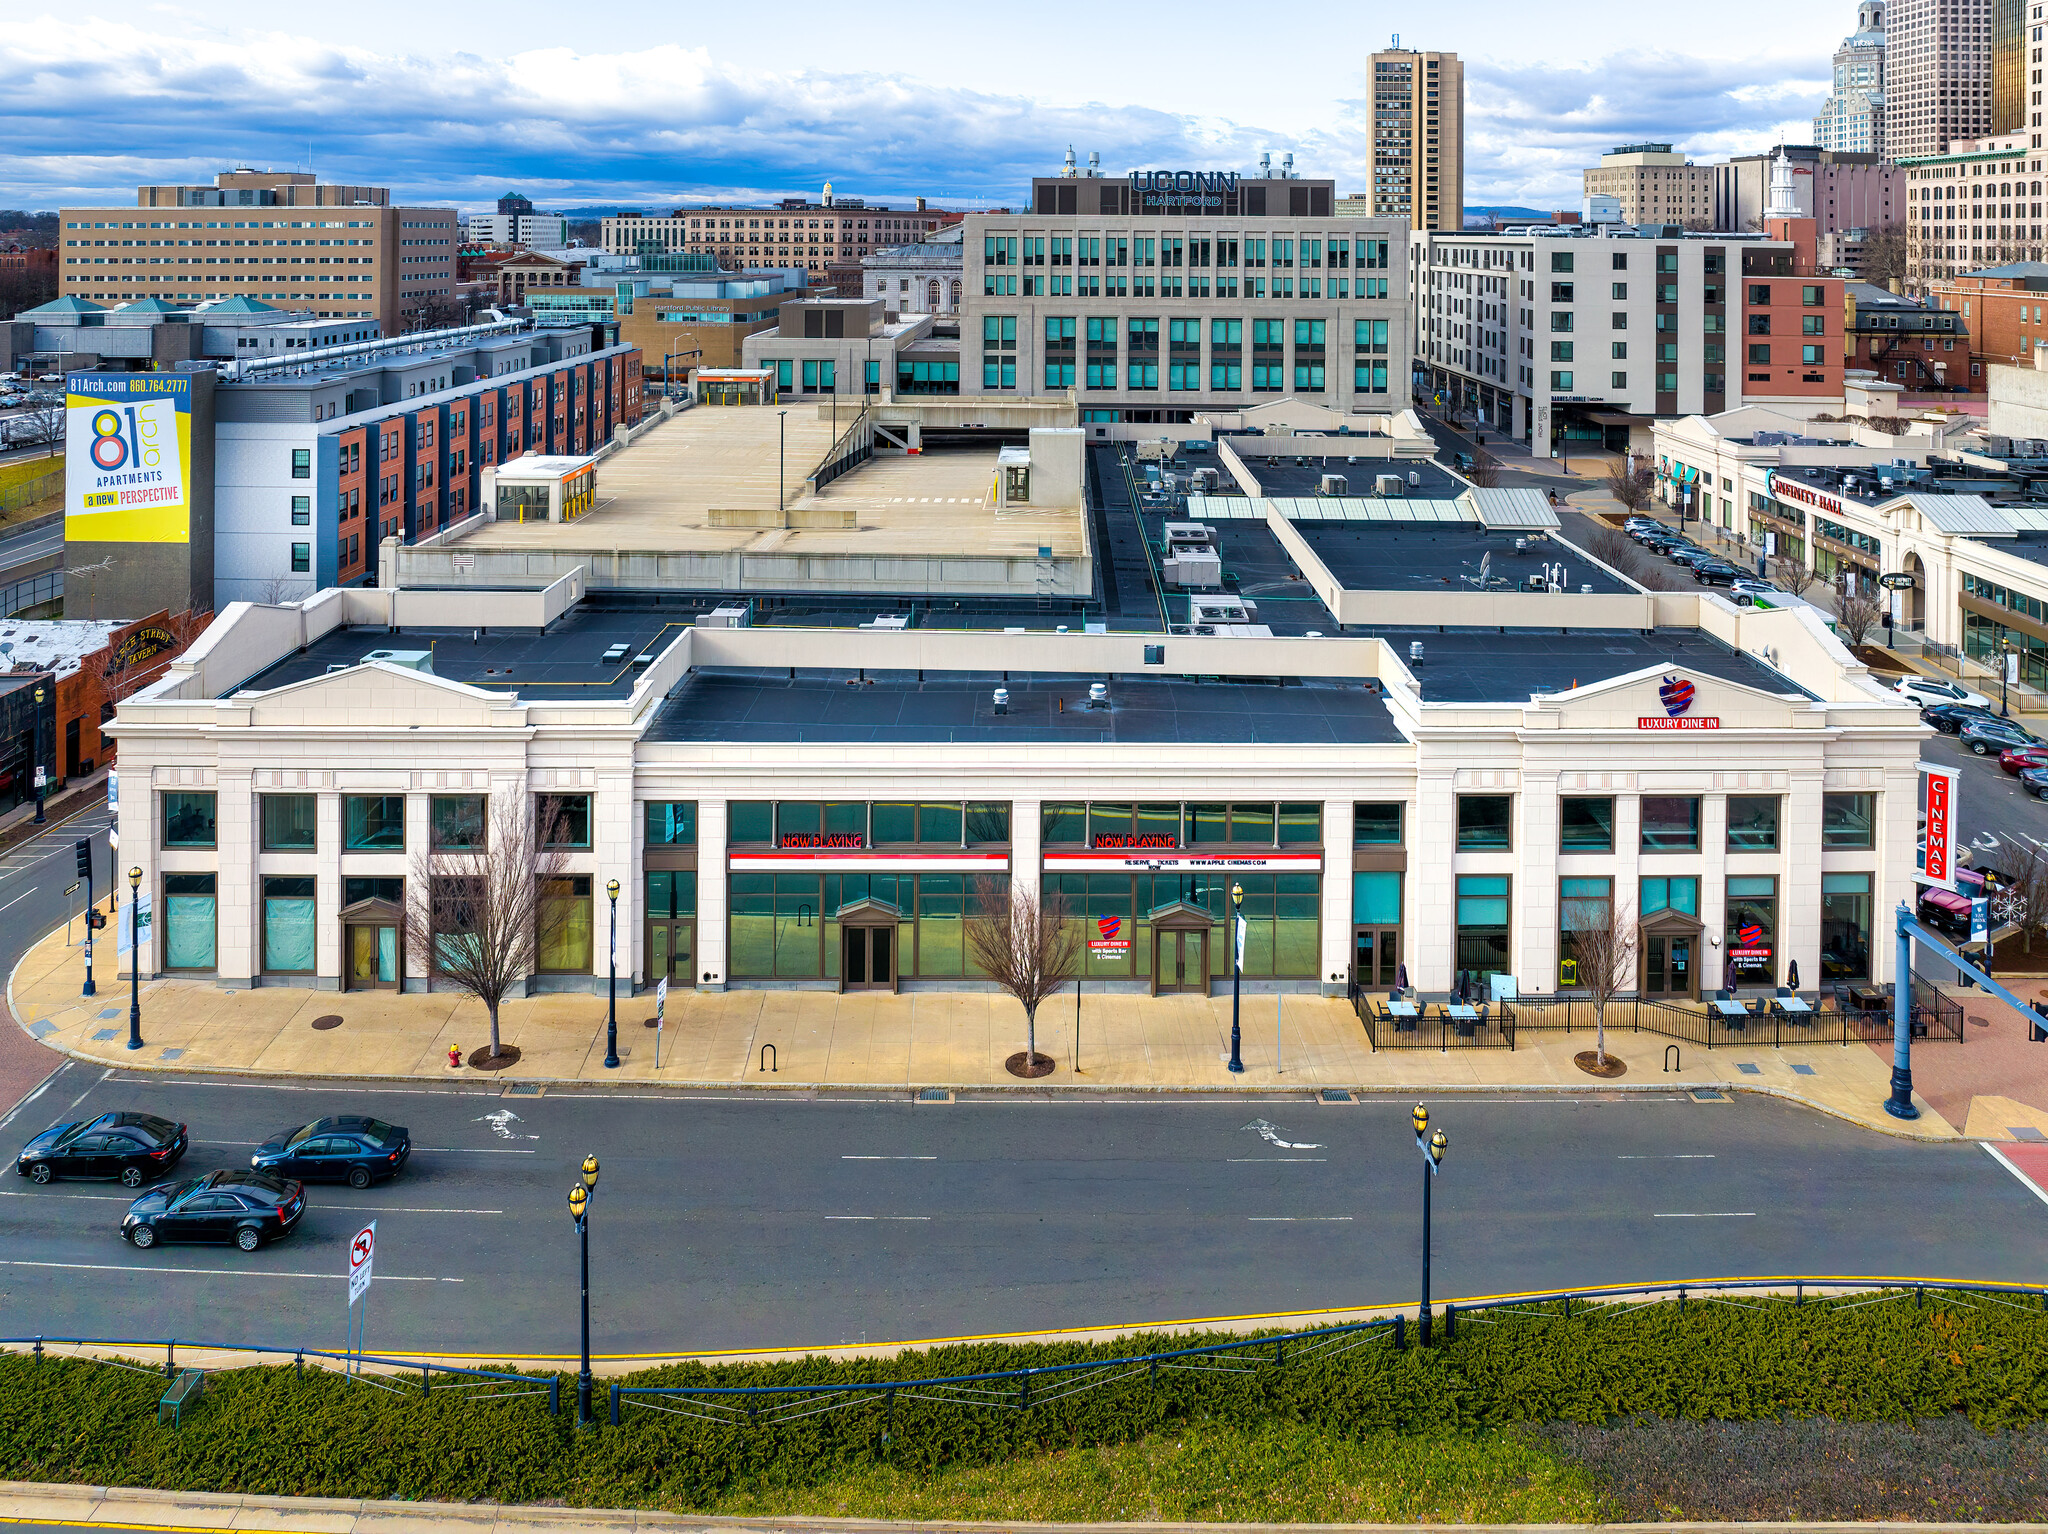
{"x":130,"y":1147}
{"x":247,"y":1208}
{"x":1950,"y":718}
{"x":351,"y":1149}
{"x":1715,"y":572}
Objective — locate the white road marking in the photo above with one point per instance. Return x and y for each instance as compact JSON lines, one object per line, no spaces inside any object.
{"x":501,"y":1124}
{"x":1716,"y":1214}
{"x":17,"y":900}
{"x":1293,"y":1219}
{"x":129,"y":1267}
{"x":888,"y":1158}
{"x":2025,"y":1181}
{"x":1708,"y":1156}
{"x":1268,"y":1160}
{"x":403,"y":1209}
{"x":1270,"y":1133}
{"x":112,"y":1198}
{"x":878,"y":1217}
{"x":82,"y":1096}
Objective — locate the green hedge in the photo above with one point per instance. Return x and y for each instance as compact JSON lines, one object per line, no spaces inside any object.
{"x":272,"y":1431}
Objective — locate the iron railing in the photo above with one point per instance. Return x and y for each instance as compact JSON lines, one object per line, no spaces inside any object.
{"x":1937,"y":1017}
{"x":1556,"y":1304}
{"x":452,"y":1377}
{"x":1003,"y":1389}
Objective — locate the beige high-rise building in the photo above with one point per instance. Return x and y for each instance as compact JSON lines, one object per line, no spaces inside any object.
{"x":1416,"y":101}
{"x":1654,"y":186}
{"x":338,"y":252}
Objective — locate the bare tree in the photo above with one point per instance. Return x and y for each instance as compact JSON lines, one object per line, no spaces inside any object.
{"x":486,"y":910}
{"x":1884,"y":254}
{"x":280,"y":590}
{"x":1029,"y":945}
{"x":1603,"y":940}
{"x":1855,"y":613}
{"x":1631,"y":483}
{"x":1794,"y":574}
{"x":42,"y":423}
{"x":1485,"y":470}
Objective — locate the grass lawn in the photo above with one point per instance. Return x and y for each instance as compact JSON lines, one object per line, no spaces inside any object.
{"x":1279,"y":1473}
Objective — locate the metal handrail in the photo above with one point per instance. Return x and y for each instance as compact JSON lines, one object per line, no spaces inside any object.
{"x":1798,"y":1284}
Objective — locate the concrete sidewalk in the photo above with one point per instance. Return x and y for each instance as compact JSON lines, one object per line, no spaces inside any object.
{"x":799,"y":1040}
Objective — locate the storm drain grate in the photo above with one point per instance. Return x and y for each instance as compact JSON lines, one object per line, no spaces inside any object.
{"x":1708,"y":1095}
{"x":1336,"y":1095}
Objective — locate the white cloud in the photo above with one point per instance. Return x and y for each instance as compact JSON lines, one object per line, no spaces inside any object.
{"x":90,"y":108}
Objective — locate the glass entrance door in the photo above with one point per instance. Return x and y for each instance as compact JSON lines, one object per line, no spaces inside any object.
{"x":1183,"y":962}
{"x":867,"y":958}
{"x":671,"y":952}
{"x":1668,"y":966}
{"x":372,"y":957}
{"x":1376,"y":957}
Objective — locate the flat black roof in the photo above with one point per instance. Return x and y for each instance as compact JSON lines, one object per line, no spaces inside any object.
{"x":565,"y":662}
{"x":719,"y":704}
{"x":1289,"y":477}
{"x":1417,"y":556}
{"x":1489,"y":666}
{"x":2030,"y":546}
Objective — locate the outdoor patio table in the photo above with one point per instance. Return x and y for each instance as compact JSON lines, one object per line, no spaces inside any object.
{"x":1465,"y":1019}
{"x":1733,"y":1013}
{"x":1793,"y":1006}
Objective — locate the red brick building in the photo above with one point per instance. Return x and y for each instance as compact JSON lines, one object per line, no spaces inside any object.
{"x":1904,"y":341}
{"x":2003,"y":308}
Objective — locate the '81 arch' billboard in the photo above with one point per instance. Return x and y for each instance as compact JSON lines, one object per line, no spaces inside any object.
{"x":128,"y":458}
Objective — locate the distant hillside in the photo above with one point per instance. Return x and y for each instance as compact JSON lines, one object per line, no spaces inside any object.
{"x":1505,"y":211}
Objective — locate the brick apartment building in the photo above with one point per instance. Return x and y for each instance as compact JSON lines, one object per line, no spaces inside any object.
{"x":2003,"y":308}
{"x":337,"y":252}
{"x":793,"y":233}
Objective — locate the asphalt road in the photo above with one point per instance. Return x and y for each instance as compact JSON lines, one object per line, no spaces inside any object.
{"x":34,"y":876}
{"x":735,"y":1222}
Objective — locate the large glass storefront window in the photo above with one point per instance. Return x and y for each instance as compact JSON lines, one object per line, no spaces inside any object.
{"x":785,"y":926}
{"x":1482,"y":944}
{"x":671,"y":893}
{"x":1376,"y":898}
{"x":1282,"y":913}
{"x":565,"y":903}
{"x":1582,"y":905}
{"x":1113,"y":823}
{"x":672,"y":824}
{"x":1845,"y":926}
{"x":288,"y":925}
{"x":1673,"y":894}
{"x":1751,"y":936}
{"x":189,"y":920}
{"x":800,"y":824}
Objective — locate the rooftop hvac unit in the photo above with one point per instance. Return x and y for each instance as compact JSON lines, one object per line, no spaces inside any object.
{"x":1221,"y":609}
{"x":1389,"y":484}
{"x":888,"y":621}
{"x":733,"y":615}
{"x":1414,"y":479}
{"x":412,"y":660}
{"x":1205,"y":481}
{"x":1098,"y":695}
{"x":1334,"y":484}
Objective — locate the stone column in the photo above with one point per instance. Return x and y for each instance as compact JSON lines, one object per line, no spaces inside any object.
{"x":1337,"y":915}
{"x":615,"y":855}
{"x":711,"y":894}
{"x":238,"y":934}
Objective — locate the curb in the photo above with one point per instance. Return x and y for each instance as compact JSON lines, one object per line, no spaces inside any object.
{"x":138,"y":1507}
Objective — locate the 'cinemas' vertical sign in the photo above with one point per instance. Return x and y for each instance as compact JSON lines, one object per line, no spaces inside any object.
{"x":1938,"y":826}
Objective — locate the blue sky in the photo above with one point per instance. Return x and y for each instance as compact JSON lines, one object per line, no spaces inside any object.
{"x":645,"y":104}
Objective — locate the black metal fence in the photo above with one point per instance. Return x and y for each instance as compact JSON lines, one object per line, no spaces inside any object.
{"x":1937,"y":1017}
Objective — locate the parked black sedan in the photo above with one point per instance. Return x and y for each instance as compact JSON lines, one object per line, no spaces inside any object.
{"x":350,"y":1149}
{"x":1952,"y":718}
{"x":130,"y":1147}
{"x":247,"y":1208}
{"x":1715,"y":572}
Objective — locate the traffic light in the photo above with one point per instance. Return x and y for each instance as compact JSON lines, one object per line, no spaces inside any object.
{"x":84,"y":850}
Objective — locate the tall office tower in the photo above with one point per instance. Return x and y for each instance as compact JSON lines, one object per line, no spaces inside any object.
{"x":2015,"y":81}
{"x":1416,"y":101}
{"x":1851,"y":120}
{"x":1937,"y":74}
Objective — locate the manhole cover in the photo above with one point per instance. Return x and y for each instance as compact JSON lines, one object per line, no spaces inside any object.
{"x":331,"y":1020}
{"x":652,"y":1022}
{"x":483,"y":1060}
{"x":1979,"y":1022}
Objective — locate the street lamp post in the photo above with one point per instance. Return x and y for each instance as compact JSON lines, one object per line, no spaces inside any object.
{"x":1236,"y":979}
{"x":580,"y":1194}
{"x":1432,"y":1150}
{"x":135,"y":958}
{"x":611,"y":1016}
{"x":2005,"y":655}
{"x":39,"y":756}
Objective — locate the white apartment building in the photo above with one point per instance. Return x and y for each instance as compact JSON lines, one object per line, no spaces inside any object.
{"x":1561,"y":337}
{"x":536,"y":231}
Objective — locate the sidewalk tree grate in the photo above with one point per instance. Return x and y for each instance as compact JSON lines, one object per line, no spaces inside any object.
{"x":1802,"y":1070}
{"x":105,"y":1034}
{"x":327,"y":1021}
{"x":1750,"y":1070}
{"x":116,"y":1012}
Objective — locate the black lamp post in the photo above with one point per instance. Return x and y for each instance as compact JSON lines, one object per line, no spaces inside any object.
{"x":1236,"y":980}
{"x":611,"y":1017}
{"x":39,"y":756}
{"x":135,"y":958}
{"x":1432,"y":1157}
{"x":2005,"y":654}
{"x":580,"y":1194}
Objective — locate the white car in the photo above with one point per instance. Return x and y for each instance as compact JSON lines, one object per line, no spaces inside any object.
{"x":1744,"y":590}
{"x":1927,"y":690}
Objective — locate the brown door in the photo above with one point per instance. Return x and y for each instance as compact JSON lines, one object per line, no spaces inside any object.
{"x":1376,"y":957}
{"x":371,"y":960}
{"x":671,"y":952}
{"x":1668,"y":966}
{"x":867,"y":958}
{"x":1183,"y":962}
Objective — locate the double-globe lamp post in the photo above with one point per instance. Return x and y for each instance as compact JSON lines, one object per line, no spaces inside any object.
{"x":611,"y":1016}
{"x":1432,"y":1148}
{"x":41,"y":777}
{"x":134,"y":958}
{"x":1236,"y":919}
{"x":580,"y":1194}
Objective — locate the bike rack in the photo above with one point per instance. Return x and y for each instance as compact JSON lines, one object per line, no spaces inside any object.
{"x":768,"y":1052}
{"x":1671,"y":1058}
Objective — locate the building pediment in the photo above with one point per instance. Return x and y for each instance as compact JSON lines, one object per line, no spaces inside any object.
{"x":372,"y":695}
{"x":1676,"y":700}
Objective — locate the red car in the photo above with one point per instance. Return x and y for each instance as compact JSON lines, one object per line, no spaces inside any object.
{"x":2020,"y":758}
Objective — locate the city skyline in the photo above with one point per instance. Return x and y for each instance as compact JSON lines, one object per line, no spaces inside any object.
{"x":670,"y":122}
